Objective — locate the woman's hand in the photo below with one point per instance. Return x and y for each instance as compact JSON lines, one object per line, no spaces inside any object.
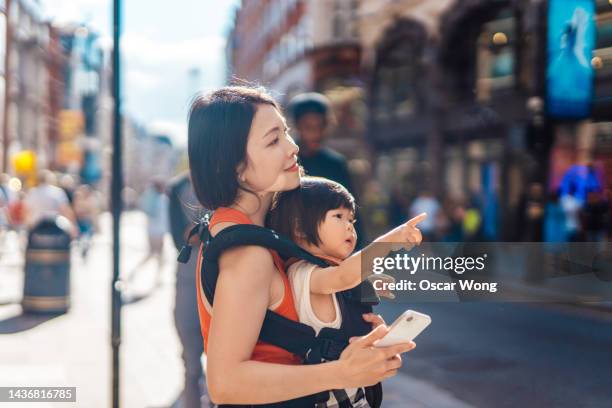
{"x":361,"y":364}
{"x":375,"y":319}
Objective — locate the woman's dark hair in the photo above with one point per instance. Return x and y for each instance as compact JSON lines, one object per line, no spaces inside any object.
{"x":219,"y":125}
{"x":299,"y":212}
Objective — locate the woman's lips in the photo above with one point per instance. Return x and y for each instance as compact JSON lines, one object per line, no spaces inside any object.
{"x":295,"y":167}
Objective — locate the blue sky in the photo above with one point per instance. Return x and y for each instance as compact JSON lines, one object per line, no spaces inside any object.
{"x":161,"y":42}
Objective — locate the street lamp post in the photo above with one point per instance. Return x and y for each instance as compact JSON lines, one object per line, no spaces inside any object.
{"x":116,"y":204}
{"x":7,"y":84}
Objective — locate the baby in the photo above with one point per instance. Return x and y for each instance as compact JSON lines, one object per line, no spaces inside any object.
{"x":319,"y":217}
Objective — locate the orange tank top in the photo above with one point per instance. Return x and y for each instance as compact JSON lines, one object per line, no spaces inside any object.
{"x":262,"y":351}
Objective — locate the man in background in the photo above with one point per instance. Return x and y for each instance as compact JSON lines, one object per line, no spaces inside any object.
{"x":46,"y":200}
{"x":311,"y":113}
{"x":183,"y":211}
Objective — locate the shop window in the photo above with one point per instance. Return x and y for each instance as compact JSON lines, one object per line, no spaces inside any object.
{"x":496,"y":55}
{"x":396,"y":79}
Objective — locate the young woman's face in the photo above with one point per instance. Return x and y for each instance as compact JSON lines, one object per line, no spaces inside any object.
{"x":271,"y":162}
{"x":337,"y":233}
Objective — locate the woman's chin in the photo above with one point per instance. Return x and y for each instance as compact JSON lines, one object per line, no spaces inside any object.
{"x":290,"y":181}
{"x":293,"y":181}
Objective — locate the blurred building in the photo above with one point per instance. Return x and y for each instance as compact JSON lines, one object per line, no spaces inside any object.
{"x":456,"y":100}
{"x":79,"y":149}
{"x":294,"y":46}
{"x":27,"y":112}
{"x":3,"y":42}
{"x":56,"y":61}
{"x":452,"y":96}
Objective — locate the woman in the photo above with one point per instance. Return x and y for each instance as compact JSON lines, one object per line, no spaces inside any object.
{"x":240,"y":154}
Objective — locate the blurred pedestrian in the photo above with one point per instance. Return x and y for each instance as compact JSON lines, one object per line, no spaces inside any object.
{"x":594,"y":217}
{"x":311,"y":115}
{"x":6,"y":195}
{"x":426,"y":203}
{"x":531,"y":213}
{"x":5,"y":201}
{"x":17,"y":211}
{"x":154,"y":203}
{"x":86,"y":208}
{"x":398,"y":207}
{"x":608,"y":195}
{"x":69,"y":185}
{"x":554,"y":220}
{"x":46,"y":200}
{"x":571,"y":208}
{"x":184,"y":210}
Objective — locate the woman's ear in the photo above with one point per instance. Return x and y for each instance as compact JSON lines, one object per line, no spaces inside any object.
{"x":240,"y":170}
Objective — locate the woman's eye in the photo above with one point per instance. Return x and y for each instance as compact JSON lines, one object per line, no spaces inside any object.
{"x":338,"y":216}
{"x":275,"y":141}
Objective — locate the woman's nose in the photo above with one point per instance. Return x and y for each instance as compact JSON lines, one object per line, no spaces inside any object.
{"x":293,"y":147}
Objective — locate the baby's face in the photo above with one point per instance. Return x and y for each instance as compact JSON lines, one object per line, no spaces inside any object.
{"x":337,"y":233}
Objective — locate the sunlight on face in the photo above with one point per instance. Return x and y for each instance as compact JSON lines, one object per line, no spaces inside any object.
{"x":271,"y":162}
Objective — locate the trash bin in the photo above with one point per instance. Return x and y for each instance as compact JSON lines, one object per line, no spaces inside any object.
{"x":46,"y":287}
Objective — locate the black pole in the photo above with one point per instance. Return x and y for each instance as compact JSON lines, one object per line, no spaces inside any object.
{"x":116,"y":187}
{"x":7,"y":85}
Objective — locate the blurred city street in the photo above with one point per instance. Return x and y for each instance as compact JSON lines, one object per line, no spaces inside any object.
{"x":474,"y":354}
{"x":513,"y":354}
{"x":74,"y":349}
{"x":491,"y":117}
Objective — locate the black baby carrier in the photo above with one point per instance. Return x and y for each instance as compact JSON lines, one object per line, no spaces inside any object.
{"x":295,"y":337}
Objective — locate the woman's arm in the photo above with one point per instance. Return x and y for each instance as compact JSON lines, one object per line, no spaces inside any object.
{"x":349,"y":273}
{"x":242,"y":296}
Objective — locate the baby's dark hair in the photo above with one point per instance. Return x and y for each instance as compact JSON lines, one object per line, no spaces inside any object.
{"x":299,"y":212}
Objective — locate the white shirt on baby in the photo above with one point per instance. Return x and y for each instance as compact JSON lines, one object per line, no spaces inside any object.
{"x":299,"y":278}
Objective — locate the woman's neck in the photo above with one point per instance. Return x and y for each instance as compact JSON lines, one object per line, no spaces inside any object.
{"x":254,"y":206}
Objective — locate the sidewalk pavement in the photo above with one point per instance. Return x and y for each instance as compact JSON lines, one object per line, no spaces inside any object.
{"x":74,"y":349}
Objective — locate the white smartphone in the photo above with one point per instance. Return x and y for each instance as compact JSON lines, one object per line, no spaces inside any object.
{"x":405,"y":328}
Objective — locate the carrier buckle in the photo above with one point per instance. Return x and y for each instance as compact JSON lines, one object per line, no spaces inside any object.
{"x":331,"y":349}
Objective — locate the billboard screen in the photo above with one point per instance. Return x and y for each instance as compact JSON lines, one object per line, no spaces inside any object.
{"x":569,"y":74}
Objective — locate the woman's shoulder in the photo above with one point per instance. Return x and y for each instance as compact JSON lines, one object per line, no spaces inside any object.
{"x":243,"y":250}
{"x":241,"y":256}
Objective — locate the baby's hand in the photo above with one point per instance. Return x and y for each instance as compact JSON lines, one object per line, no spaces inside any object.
{"x":385,"y":279}
{"x":406,"y":233}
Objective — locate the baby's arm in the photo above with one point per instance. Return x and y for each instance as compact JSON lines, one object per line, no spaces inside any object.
{"x":348,"y":273}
